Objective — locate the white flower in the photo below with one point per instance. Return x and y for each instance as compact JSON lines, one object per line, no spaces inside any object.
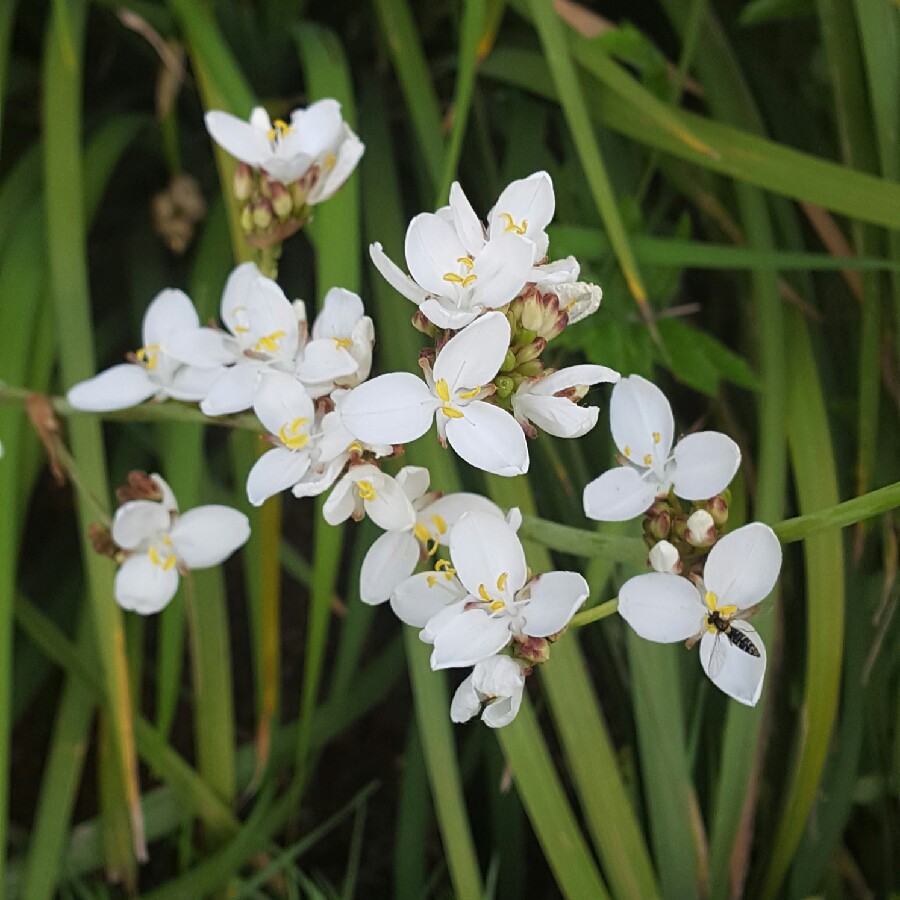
{"x":392,"y":557}
{"x":398,"y":407}
{"x":496,"y":683}
{"x":155,"y":372}
{"x":700,"y":466}
{"x":664,"y":558}
{"x":286,"y":410}
{"x":578,"y":299}
{"x":160,"y":544}
{"x":317,"y":145}
{"x":741,"y":570}
{"x":501,"y":601}
{"x":366,"y":489}
{"x":340,"y":351}
{"x":551,"y":402}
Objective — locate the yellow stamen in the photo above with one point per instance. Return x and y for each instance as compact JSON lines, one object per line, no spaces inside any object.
{"x":431,"y":580}
{"x":627,"y":450}
{"x":366,"y":490}
{"x":330,"y":161}
{"x":291,"y":436}
{"x":511,"y":225}
{"x":442,"y":390}
{"x":432,"y":547}
{"x":482,"y":592}
{"x":501,"y":581}
{"x":343,"y":343}
{"x":148,"y":355}
{"x":440,"y":524}
{"x":443,"y":564}
{"x":711,"y":600}
{"x":422,"y":533}
{"x":166,"y":564}
{"x":728,"y":611}
{"x":453,"y":278}
{"x":497,"y":605}
{"x":278,"y":130}
{"x":647,"y":459}
{"x":467,"y":261}
{"x":167,"y":540}
{"x":468,"y":395}
{"x":656,"y":437}
{"x":355,"y":447}
{"x":269,"y":343}
{"x":451,"y":413}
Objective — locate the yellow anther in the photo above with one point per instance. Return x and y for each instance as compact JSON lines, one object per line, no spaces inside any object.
{"x":278,"y":130}
{"x":343,"y":343}
{"x":647,"y":459}
{"x":330,"y":161}
{"x":366,"y":490}
{"x":431,"y":580}
{"x":431,"y":547}
{"x":167,"y":540}
{"x":711,"y":600}
{"x":442,"y":565}
{"x":354,"y":447}
{"x":155,"y":558}
{"x":511,"y":225}
{"x":269,"y":343}
{"x":627,"y":450}
{"x":148,"y":355}
{"x":656,"y":437}
{"x":728,"y":611}
{"x":497,"y":605}
{"x":451,"y":413}
{"x":422,"y":533}
{"x":468,"y":395}
{"x":442,"y":390}
{"x":467,"y":261}
{"x":482,"y":592}
{"x":453,"y":278}
{"x":291,"y":435}
{"x":501,"y":582}
{"x":440,"y":524}
{"x":166,"y":564}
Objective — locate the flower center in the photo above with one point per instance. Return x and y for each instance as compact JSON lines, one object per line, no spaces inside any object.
{"x":343,"y":343}
{"x":441,"y":567}
{"x":276,"y":134}
{"x":511,"y":224}
{"x":292,"y":436}
{"x":494,"y":604}
{"x":148,"y":356}
{"x":462,"y":280}
{"x":430,"y":540}
{"x":269,"y":343}
{"x":165,"y":560}
{"x":366,"y":490}
{"x":443,"y":391}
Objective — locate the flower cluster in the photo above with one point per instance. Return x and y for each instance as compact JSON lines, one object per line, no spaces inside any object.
{"x":703,"y":587}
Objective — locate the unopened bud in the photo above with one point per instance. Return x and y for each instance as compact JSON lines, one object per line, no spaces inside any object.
{"x":505,"y":386}
{"x":664,"y":558}
{"x":534,"y":650}
{"x":243,"y":182}
{"x":524,"y":336}
{"x":140,"y":487}
{"x":247,"y":218}
{"x":660,"y":525}
{"x":509,"y":362}
{"x":531,"y":369}
{"x":700,"y":530}
{"x":532,"y":315}
{"x":717,"y":507}
{"x":678,"y":525}
{"x":422,"y":323}
{"x":282,"y":202}
{"x":531,"y":352}
{"x":101,"y":540}
{"x":262,"y":214}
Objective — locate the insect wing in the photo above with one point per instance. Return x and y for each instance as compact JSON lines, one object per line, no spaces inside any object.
{"x":730,"y":668}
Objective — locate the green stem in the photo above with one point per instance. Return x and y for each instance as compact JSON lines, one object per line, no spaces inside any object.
{"x":595,"y":613}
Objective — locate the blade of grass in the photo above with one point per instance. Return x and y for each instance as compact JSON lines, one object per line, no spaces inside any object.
{"x":816,"y":479}
{"x":69,"y":286}
{"x":413,"y":818}
{"x":7,"y":18}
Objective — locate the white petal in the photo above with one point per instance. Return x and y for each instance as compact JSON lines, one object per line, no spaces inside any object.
{"x":446,"y":612}
{"x":318,"y":479}
{"x":120,"y":387}
{"x":144,"y":587}
{"x":638,"y":410}
{"x":664,"y":558}
{"x":498,"y":676}
{"x":705,"y":463}
{"x":558,"y":416}
{"x":502,"y":711}
{"x":502,"y":269}
{"x":395,"y":276}
{"x":555,"y":274}
{"x":390,"y":508}
{"x":414,"y":480}
{"x":138,"y":522}
{"x":472,"y":358}
{"x":390,"y":559}
{"x":465,"y":703}
{"x":170,"y":312}
{"x":572,"y":376}
{"x":432,"y":250}
{"x":579,"y":299}
{"x":472,"y":636}
{"x":341,"y":502}
{"x":555,"y":598}
{"x":325,"y":361}
{"x":234,"y":389}
{"x":440,"y":313}
{"x":662,"y":608}
{"x":280,"y":400}
{"x":418,"y":599}
{"x":468,"y":225}
{"x":206,"y":347}
{"x":485,"y":552}
{"x":450,"y":508}
{"x":238,"y":287}
{"x":348,"y":155}
{"x":619,"y":494}
{"x":391,"y":409}
{"x":276,"y":470}
{"x":732,"y":670}
{"x":316,"y":129}
{"x":529,"y":200}
{"x":489,"y":438}
{"x":237,"y":137}
{"x":743,"y":566}
{"x":191,"y":383}
{"x":207,"y":535}
{"x":341,"y":310}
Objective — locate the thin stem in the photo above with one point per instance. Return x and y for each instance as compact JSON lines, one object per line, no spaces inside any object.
{"x":595,"y":613}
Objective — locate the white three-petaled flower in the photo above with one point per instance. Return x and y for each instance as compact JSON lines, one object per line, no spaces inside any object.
{"x":160,"y":544}
{"x":316,"y":145}
{"x":700,"y":466}
{"x":398,"y":407}
{"x":365,"y":489}
{"x":500,"y":600}
{"x":740,"y":571}
{"x":496,"y":683}
{"x":154,"y":373}
{"x":551,"y":402}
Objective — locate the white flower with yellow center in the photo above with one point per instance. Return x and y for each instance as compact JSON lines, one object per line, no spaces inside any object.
{"x":398,"y":407}
{"x":494,"y":689}
{"x":366,"y":490}
{"x":501,"y":600}
{"x":551,"y":401}
{"x":159,"y":544}
{"x":286,"y":410}
{"x":316,"y":145}
{"x":700,"y":466}
{"x":340,"y":351}
{"x":154,"y":372}
{"x":740,"y":572}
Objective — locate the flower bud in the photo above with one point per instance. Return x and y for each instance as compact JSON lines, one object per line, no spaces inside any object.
{"x":664,"y":558}
{"x":140,"y":487}
{"x":717,"y":507}
{"x":243,"y":182}
{"x":530,"y":352}
{"x":700,"y":530}
{"x":102,"y":541}
{"x":530,"y":369}
{"x":505,"y":386}
{"x":524,"y":336}
{"x":262,"y":214}
{"x":422,"y":323}
{"x":660,"y":525}
{"x":509,"y":362}
{"x":534,"y":650}
{"x":282,"y":202}
{"x":247,"y":218}
{"x":532,"y":314}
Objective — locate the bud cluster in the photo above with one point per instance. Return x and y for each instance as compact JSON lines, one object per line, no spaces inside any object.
{"x":270,"y":210}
